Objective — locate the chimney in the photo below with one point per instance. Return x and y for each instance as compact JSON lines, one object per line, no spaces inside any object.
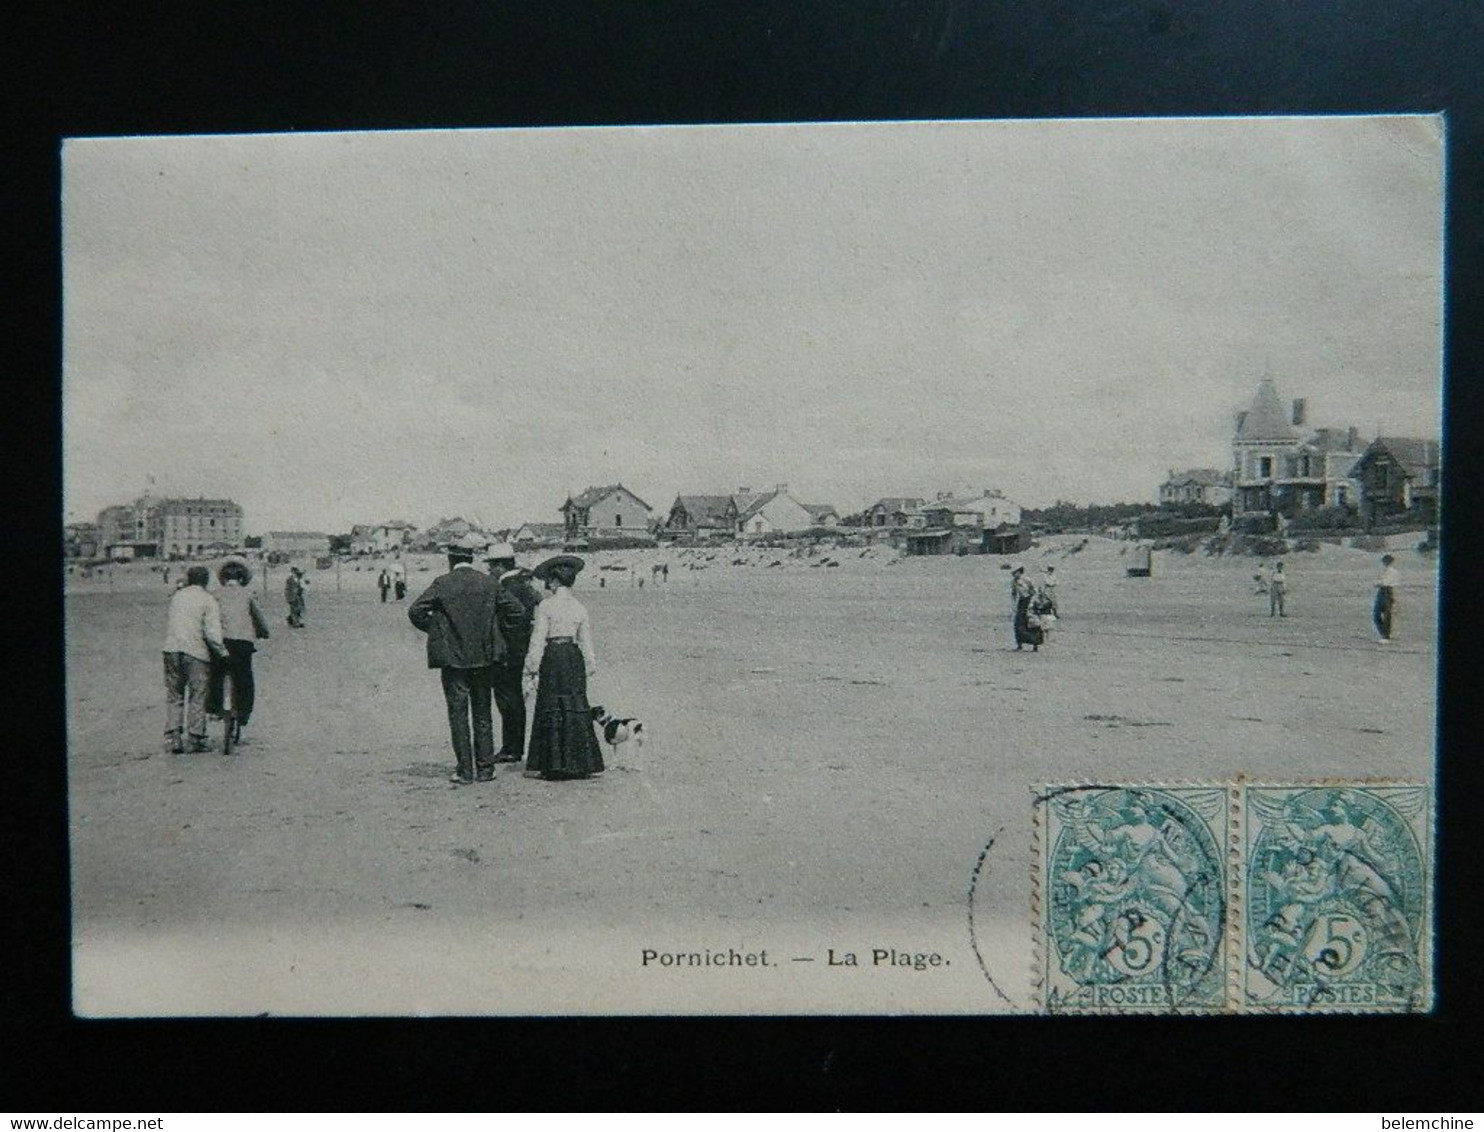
{"x":781,"y":489}
{"x":744,"y":491}
{"x":1352,"y":438}
{"x":1241,"y":419}
{"x":1298,"y":410}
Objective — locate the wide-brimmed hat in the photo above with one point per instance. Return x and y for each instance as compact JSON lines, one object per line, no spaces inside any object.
{"x":466,"y":544}
{"x":238,"y":562}
{"x":499,"y":550}
{"x":570,"y":561}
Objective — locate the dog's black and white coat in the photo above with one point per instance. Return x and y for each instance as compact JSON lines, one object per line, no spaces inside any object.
{"x":616,"y":731}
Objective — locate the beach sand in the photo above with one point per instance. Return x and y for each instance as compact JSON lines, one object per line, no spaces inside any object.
{"x":836,"y":757}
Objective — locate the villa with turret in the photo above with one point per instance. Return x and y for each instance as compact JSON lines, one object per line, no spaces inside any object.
{"x":1281,"y":465}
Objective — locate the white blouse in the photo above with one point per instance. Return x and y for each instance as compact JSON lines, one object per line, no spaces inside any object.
{"x":560,"y":615}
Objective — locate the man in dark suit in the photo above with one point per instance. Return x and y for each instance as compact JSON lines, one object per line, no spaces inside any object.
{"x":459,"y":613}
{"x":518,"y":602}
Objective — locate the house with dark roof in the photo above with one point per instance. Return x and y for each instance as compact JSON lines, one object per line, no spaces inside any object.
{"x":894,"y":511}
{"x":702,"y":516}
{"x":1399,"y":479}
{"x":1282,"y":466}
{"x":609,"y":510}
{"x":1197,"y":485}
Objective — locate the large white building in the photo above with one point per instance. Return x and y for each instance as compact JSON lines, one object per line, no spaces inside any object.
{"x":170,"y":528}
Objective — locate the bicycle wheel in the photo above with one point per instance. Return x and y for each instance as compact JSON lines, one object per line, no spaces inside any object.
{"x":229,"y":713}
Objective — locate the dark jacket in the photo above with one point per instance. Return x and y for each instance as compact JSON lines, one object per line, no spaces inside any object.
{"x":516,"y":616}
{"x":459,"y":613}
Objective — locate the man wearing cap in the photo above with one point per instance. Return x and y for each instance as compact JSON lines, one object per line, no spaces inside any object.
{"x":516,"y":609}
{"x":192,"y":639}
{"x":459,"y":613}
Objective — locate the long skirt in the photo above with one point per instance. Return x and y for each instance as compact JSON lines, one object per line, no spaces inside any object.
{"x":563,"y":741}
{"x":1025,"y":632}
{"x":1383,"y":611}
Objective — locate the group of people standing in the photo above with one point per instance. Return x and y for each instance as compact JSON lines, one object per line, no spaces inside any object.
{"x":1035,"y":606}
{"x":497,"y":641}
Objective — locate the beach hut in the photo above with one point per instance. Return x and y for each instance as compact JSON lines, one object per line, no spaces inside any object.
{"x":1140,"y":562}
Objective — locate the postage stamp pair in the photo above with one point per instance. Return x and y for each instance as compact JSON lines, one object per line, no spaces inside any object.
{"x":1239,"y":897}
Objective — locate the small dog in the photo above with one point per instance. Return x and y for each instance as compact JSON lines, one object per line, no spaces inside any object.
{"x":616,"y":731}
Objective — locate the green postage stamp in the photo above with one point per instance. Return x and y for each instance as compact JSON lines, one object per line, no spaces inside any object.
{"x":1240,"y":897}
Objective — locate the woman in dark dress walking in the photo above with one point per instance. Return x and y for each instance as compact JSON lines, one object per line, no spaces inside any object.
{"x":1026,"y":632}
{"x":558,"y":664}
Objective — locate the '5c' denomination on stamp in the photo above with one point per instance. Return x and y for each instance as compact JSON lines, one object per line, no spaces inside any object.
{"x":1337,"y":894}
{"x":1132,"y":899}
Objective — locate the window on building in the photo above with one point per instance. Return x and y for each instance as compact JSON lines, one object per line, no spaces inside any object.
{"x":1265,"y":467}
{"x":618,"y":520}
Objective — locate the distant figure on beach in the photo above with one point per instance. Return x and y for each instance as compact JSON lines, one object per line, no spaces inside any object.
{"x":1259,"y":583}
{"x":193,"y":637}
{"x":1027,"y":630}
{"x":1384,"y":608}
{"x":167,"y":575}
{"x":293,"y":593}
{"x":384,"y":584}
{"x":1277,"y":591}
{"x":558,"y":665}
{"x":1048,"y":591}
{"x":516,"y":611}
{"x":243,"y":624}
{"x":459,"y":614}
{"x":399,"y":579}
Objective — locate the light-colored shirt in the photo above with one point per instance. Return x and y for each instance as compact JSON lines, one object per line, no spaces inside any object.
{"x":1389,"y":579}
{"x":242,"y":617}
{"x":195,"y":624}
{"x":560,"y":615}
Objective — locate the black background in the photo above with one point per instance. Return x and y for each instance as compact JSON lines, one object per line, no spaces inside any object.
{"x":209,"y":67}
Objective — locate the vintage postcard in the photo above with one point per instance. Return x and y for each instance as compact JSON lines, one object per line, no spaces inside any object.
{"x":883,"y":568}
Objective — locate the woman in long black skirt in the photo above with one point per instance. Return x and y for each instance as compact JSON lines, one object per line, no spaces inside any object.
{"x":1027,"y":632}
{"x":559,"y":662}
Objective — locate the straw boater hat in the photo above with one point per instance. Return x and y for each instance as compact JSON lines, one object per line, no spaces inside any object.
{"x":499,"y":550}
{"x":240,"y":563}
{"x":571,"y":561}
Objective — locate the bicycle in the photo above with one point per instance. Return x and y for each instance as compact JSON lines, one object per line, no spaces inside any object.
{"x":227,"y":712}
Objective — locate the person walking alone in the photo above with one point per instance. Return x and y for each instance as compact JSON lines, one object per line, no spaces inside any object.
{"x":459,"y":613}
{"x":193,"y":637}
{"x":1385,"y":605}
{"x":293,"y":593}
{"x":1277,"y":591}
{"x":384,"y":584}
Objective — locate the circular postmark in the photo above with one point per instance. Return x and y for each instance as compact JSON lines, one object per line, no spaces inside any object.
{"x":1134,"y":899}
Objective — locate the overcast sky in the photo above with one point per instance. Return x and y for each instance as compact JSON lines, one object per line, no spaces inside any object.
{"x":343,"y":328}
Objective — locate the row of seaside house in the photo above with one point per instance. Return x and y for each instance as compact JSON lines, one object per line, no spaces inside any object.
{"x":1282,"y":465}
